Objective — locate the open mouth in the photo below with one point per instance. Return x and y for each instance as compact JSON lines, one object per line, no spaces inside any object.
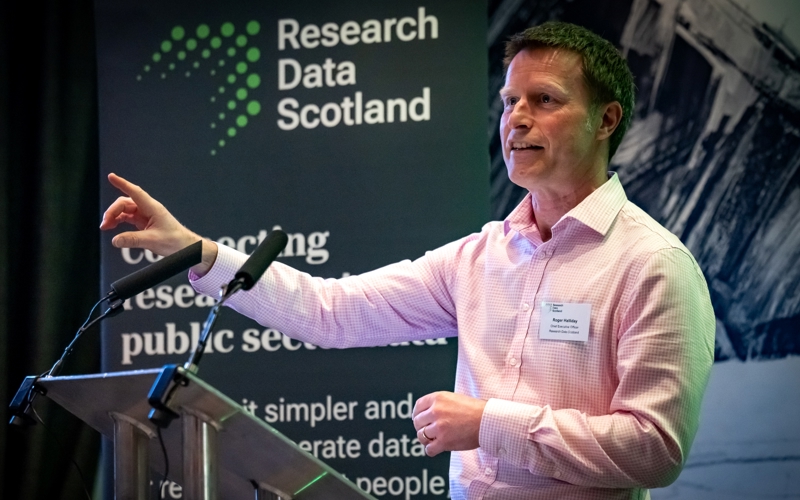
{"x":522,"y":146}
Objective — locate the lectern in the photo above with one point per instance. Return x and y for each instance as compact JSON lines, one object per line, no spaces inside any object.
{"x":216,"y":449}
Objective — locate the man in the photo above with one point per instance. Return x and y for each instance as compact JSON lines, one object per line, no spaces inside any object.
{"x":585,"y":329}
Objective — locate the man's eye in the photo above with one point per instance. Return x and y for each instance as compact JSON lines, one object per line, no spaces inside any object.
{"x":510,"y":101}
{"x":545,"y":98}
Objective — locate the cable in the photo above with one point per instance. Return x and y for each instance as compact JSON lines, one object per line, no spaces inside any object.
{"x":164,"y":451}
{"x":63,"y":449}
{"x":77,"y":335}
{"x":161,"y":438}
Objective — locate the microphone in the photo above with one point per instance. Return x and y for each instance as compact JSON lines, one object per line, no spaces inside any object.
{"x":258,"y":262}
{"x":121,"y":289}
{"x":134,"y":283}
{"x":244,"y":279}
{"x":155,"y":273}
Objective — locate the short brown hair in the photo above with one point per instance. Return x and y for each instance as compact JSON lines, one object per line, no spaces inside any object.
{"x":605,"y":72}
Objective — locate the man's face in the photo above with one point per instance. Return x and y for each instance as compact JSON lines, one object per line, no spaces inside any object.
{"x":547,"y":127}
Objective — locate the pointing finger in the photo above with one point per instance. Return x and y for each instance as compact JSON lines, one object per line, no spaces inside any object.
{"x":143,"y":200}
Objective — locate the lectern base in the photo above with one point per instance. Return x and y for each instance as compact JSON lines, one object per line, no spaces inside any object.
{"x":131,"y":458}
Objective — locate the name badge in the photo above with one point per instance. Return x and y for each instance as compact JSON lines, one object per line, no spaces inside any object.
{"x":564,"y":321}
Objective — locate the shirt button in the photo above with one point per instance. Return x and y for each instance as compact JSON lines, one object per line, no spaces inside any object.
{"x":502,"y":451}
{"x":488,"y":471}
{"x":557,"y":473}
{"x":525,"y":306}
{"x":512,"y":361}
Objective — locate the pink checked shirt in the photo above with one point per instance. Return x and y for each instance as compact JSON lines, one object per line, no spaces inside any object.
{"x":602,"y":419}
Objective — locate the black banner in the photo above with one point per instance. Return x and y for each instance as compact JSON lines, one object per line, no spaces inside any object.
{"x":359,"y":128}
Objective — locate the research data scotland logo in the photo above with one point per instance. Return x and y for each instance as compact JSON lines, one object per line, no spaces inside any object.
{"x":224,"y":54}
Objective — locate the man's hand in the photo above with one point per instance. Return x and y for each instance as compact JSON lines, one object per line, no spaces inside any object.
{"x":448,"y":422}
{"x":157,"y":230}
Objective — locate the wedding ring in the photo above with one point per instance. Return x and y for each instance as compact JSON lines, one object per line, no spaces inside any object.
{"x":425,"y":435}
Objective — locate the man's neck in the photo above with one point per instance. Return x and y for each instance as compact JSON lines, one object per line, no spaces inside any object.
{"x":550,"y":204}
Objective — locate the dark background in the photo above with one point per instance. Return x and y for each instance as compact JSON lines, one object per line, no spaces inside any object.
{"x":49,"y":242}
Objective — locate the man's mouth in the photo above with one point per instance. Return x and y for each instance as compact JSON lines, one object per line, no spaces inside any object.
{"x":521,"y":146}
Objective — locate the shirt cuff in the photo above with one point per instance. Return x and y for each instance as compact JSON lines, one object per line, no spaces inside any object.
{"x":504,"y":431}
{"x":228,"y":261}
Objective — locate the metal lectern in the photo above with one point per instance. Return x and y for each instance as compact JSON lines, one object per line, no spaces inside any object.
{"x":216,"y":449}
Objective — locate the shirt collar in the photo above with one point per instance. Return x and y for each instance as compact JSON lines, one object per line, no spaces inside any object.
{"x":597,"y":211}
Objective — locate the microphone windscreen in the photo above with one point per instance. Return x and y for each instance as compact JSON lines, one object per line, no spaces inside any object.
{"x":260,"y":260}
{"x":157,"y":272}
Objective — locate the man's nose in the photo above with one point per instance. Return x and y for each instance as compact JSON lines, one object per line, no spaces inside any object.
{"x":520,"y":115}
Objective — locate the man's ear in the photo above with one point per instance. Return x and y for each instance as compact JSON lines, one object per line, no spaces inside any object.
{"x":610,"y":120}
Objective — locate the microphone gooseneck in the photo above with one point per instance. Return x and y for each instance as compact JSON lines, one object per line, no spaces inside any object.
{"x":244,"y":279}
{"x":121,"y":290}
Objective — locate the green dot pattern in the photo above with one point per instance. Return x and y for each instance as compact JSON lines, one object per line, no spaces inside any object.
{"x":253,"y":54}
{"x":253,"y":108}
{"x":178,"y":33}
{"x":253,"y":28}
{"x":174,"y":53}
{"x":253,"y":81}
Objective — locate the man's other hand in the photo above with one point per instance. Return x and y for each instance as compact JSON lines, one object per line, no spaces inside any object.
{"x":157,"y":230}
{"x":446,"y":421}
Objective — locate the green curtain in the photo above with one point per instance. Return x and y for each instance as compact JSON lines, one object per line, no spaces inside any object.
{"x":49,"y":242}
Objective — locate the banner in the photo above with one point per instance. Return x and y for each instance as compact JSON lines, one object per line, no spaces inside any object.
{"x":356,"y":127}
